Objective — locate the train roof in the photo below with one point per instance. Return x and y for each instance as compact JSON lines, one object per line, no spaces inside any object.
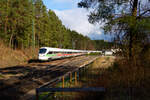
{"x":61,"y":50}
{"x":66,"y":50}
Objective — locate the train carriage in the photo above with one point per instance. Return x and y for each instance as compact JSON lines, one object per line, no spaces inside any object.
{"x":49,"y":53}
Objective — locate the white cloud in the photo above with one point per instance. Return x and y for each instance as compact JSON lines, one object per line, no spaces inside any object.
{"x":77,"y":19}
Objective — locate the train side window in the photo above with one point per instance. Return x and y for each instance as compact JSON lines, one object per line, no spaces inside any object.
{"x":50,"y":52}
{"x":56,"y":52}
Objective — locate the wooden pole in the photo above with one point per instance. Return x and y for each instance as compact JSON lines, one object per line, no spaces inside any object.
{"x":37,"y":95}
{"x":75,"y":78}
{"x":63,"y":82}
{"x":70,"y":78}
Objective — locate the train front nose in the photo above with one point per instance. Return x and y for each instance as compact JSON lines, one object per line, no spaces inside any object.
{"x":42,"y":54}
{"x":42,"y":57}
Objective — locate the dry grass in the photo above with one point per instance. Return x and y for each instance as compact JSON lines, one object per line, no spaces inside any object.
{"x":123,"y":80}
{"x":10,"y":57}
{"x":103,"y":62}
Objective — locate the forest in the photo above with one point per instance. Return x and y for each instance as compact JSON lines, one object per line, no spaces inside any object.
{"x":28,"y":23}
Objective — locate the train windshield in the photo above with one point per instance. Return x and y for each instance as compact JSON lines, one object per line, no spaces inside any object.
{"x":42,"y":51}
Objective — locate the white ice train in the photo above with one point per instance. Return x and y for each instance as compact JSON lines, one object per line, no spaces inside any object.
{"x":49,"y":53}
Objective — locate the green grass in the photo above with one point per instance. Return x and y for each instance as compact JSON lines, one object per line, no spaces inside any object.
{"x":90,"y":54}
{"x":60,"y":94}
{"x":44,"y":94}
{"x":107,"y":58}
{"x":1,"y":76}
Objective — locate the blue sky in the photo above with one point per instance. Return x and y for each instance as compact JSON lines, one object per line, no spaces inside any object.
{"x":61,"y":4}
{"x":75,"y":18}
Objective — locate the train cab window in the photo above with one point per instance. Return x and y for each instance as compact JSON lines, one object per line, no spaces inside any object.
{"x":50,"y":52}
{"x":42,"y":51}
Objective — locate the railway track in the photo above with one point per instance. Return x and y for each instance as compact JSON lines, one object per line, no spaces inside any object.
{"x":30,"y":76}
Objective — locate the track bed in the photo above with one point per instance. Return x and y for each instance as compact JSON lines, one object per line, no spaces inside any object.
{"x":18,"y":80}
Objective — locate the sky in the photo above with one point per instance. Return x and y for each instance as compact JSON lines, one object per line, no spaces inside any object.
{"x":75,"y":18}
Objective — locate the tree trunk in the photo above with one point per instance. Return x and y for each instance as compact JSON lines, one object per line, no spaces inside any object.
{"x":6,"y":18}
{"x":134,"y":14}
{"x":10,"y":40}
{"x":134,"y":9}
